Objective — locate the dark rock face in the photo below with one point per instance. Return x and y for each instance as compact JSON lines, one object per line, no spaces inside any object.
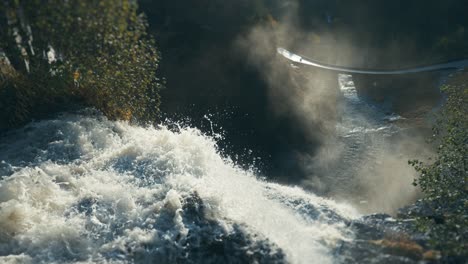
{"x":409,"y":95}
{"x":219,"y":87}
{"x":256,"y":115}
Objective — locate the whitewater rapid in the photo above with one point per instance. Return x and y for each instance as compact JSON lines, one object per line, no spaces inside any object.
{"x":82,"y":189}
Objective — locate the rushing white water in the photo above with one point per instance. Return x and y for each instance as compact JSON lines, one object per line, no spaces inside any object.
{"x":82,"y":189}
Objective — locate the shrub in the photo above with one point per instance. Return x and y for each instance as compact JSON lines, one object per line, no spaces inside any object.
{"x":444,"y":181}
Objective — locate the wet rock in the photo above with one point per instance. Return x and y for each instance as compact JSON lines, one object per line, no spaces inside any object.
{"x":418,"y":209}
{"x":405,"y":248}
{"x":361,"y":251}
{"x":431,"y":255}
{"x":208,"y":242}
{"x":380,"y":238}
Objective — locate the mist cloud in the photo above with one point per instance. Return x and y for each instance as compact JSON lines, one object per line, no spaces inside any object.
{"x":378,"y":181}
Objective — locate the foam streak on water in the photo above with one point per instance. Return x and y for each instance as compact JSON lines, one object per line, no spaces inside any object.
{"x":81,"y":189}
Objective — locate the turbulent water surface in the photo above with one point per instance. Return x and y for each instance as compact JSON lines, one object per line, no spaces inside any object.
{"x":80,"y":188}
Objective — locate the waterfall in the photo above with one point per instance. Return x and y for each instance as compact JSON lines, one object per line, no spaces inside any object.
{"x":80,"y":188}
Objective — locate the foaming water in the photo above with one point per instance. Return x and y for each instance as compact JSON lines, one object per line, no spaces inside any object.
{"x":82,"y":189}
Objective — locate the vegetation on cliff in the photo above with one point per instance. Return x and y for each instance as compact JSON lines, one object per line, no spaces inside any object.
{"x":97,"y":53}
{"x":444,"y":180}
